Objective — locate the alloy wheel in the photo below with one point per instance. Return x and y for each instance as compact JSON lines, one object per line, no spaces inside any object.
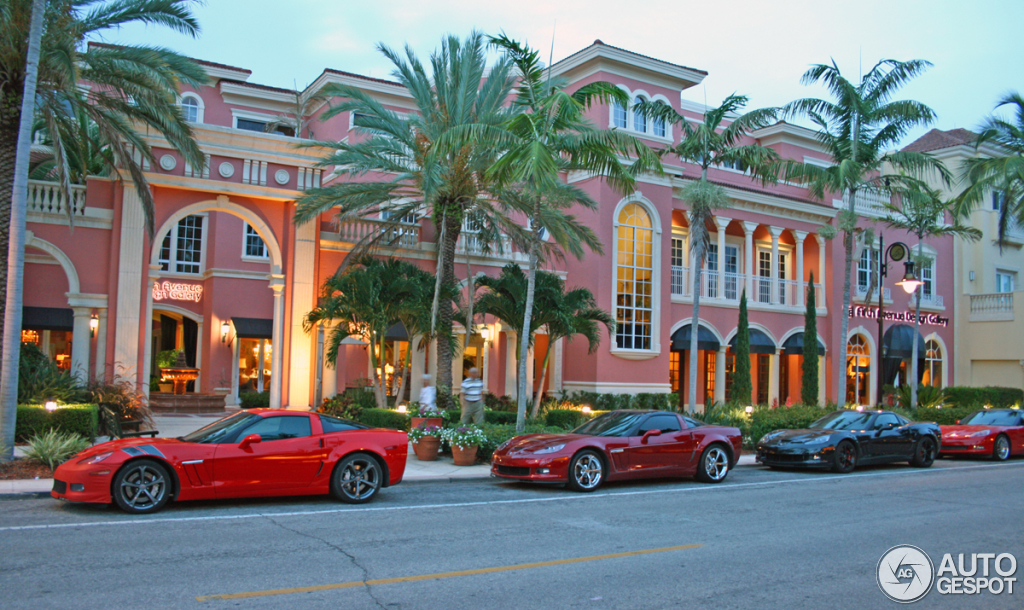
{"x":716,"y":464}
{"x":1002,"y":448}
{"x":587,"y":471}
{"x":360,"y":478}
{"x":143,"y":487}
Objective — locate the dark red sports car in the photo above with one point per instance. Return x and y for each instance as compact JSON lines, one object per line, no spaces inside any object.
{"x":622,"y":445}
{"x":261,"y":452}
{"x":995,"y":432}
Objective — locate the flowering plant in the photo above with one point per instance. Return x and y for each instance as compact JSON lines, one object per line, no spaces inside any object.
{"x":418,"y":410}
{"x":422,"y":430}
{"x":464,"y":436}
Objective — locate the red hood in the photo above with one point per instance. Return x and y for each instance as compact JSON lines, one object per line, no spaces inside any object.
{"x":963,"y":430}
{"x":533,"y":442}
{"x":121,"y":443}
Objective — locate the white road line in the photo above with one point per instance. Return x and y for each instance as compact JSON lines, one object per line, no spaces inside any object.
{"x":562,"y":498}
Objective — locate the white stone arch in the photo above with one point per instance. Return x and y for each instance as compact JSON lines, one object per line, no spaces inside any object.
{"x":875,"y":368}
{"x":181,"y":311}
{"x":74,"y":286}
{"x":700,"y":322}
{"x":224,"y":204}
{"x":945,"y":355}
{"x":199,"y":103}
{"x":656,"y":262}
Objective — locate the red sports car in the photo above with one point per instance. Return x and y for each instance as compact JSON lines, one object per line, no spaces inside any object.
{"x":995,"y":432}
{"x":261,"y":452}
{"x":622,"y":445}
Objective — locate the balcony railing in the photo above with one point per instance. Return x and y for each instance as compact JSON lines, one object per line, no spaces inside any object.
{"x":395,"y":235}
{"x":471,"y":243}
{"x":996,"y":306}
{"x":733,"y":286}
{"x":928,"y":300}
{"x":48,"y":198}
{"x":860,"y":292}
{"x":867,"y":203}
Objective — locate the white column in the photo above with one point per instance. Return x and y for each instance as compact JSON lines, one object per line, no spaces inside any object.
{"x":721,"y":223}
{"x":131,"y":258}
{"x":688,"y":279}
{"x":485,"y":372}
{"x":236,"y":353}
{"x":773,"y":378}
{"x":147,"y":349}
{"x":556,"y":368}
{"x":748,"y":256}
{"x":720,"y":374}
{"x":801,"y":283}
{"x":303,"y":299}
{"x":417,"y":367}
{"x":510,"y":364}
{"x":775,"y":231}
{"x":821,"y":378}
{"x":277,"y":340}
{"x":202,"y":340}
{"x":101,"y":345}
{"x":821,"y":273}
{"x":81,"y":343}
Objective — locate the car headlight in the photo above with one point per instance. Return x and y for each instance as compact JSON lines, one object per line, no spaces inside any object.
{"x":96,"y":459}
{"x":818,"y":439}
{"x":981,"y":433}
{"x":551,"y":449}
{"x":769,"y":436}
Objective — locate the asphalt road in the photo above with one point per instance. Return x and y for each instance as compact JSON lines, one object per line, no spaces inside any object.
{"x":763,"y":539}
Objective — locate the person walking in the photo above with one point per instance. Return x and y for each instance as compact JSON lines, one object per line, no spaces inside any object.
{"x":428,"y":397}
{"x":473,"y":398}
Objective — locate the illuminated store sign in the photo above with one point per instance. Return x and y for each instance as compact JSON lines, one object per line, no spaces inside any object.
{"x":871,"y":313}
{"x":168,"y":291}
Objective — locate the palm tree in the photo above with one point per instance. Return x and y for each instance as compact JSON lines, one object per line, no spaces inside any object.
{"x":1002,"y":173}
{"x":86,"y":156}
{"x":922,"y":213}
{"x":708,"y":143}
{"x":365,"y":300}
{"x":856,"y":128}
{"x":426,"y":162}
{"x":549,"y":136}
{"x":297,"y":121}
{"x":16,"y":264}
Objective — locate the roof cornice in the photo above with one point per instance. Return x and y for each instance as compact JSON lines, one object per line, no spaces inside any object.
{"x":626,"y":63}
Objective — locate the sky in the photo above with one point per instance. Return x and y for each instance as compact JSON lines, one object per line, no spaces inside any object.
{"x":755,"y":48}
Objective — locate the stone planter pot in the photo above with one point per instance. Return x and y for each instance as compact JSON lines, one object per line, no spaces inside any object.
{"x":426,"y":449}
{"x":166,"y":388}
{"x":426,"y":421}
{"x":464,"y":457}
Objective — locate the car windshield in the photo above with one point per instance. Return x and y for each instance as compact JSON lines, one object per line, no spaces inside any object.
{"x":610,"y":424}
{"x":992,"y":418}
{"x":843,"y":420}
{"x":220,"y":430}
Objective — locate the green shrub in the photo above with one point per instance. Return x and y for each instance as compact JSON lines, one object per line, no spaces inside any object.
{"x":498,"y":434}
{"x":254,"y":400}
{"x":566,"y":419}
{"x":119,"y":402}
{"x":167,"y":358}
{"x":927,"y":396}
{"x":361,"y":397}
{"x":453,"y":417}
{"x":977,"y":398}
{"x":945,"y":416}
{"x":384,"y":418}
{"x":613,"y":402}
{"x":54,"y":448}
{"x":764,"y":420}
{"x":728,"y":415}
{"x":343,"y":406}
{"x":499,"y":403}
{"x":74,"y":419}
{"x":40,"y":380}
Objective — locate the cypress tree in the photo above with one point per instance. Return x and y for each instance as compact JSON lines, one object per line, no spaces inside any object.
{"x":809,"y":387}
{"x":741,"y":390}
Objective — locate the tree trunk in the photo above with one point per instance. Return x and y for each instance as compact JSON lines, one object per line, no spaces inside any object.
{"x":543,"y":377}
{"x":9,"y":114}
{"x":16,"y":247}
{"x":406,"y":373}
{"x":839,"y":352}
{"x":917,"y":325}
{"x":471,"y":294}
{"x":698,"y":256}
{"x":524,"y":338}
{"x":450,"y":235}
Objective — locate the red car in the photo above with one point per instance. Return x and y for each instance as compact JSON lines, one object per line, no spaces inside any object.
{"x":995,"y":432}
{"x":622,"y":445}
{"x":261,"y":452}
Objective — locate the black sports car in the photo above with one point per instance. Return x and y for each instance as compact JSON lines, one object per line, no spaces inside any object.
{"x":844,"y":439}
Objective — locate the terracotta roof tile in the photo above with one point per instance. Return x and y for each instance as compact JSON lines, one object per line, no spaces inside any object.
{"x":936,"y":139}
{"x":201,"y":62}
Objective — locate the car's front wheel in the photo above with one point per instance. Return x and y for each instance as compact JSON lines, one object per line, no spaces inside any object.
{"x":924,"y":453}
{"x":142,"y":486}
{"x":714,"y":465}
{"x":356,"y":479}
{"x":845,"y":459}
{"x":586,"y":471}
{"x":1001,"y":450}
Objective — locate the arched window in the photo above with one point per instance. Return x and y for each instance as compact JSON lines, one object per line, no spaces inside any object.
{"x":858,"y":371}
{"x":639,"y":119}
{"x":658,"y":124}
{"x":932,"y":364}
{"x":191,"y":110}
{"x":634,"y":281}
{"x":618,"y":115}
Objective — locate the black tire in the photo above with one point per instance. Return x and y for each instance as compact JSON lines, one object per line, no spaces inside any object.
{"x":845,"y":458}
{"x":586,"y":471}
{"x":357,"y":478}
{"x":714,"y":465}
{"x":141,"y":487}
{"x":1001,"y":448}
{"x":924,"y":452}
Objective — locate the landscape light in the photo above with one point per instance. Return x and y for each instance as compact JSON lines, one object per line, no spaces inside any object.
{"x":586,"y":410}
{"x":51,"y":405}
{"x":749,"y":410}
{"x":402,"y":409}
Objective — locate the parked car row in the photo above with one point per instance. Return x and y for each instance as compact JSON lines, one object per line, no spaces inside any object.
{"x":264,"y":452}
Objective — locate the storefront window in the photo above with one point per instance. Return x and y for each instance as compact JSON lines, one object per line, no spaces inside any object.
{"x":858,"y":370}
{"x":634,"y":284}
{"x":254,"y":365}
{"x":933,"y":364}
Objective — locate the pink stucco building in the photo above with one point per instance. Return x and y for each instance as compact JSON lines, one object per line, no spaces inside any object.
{"x":230,"y":276}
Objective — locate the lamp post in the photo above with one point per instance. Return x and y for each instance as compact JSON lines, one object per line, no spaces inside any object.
{"x":896,"y":252}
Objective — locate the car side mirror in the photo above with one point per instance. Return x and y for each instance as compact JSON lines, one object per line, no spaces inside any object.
{"x":252,"y":439}
{"x":649,"y":434}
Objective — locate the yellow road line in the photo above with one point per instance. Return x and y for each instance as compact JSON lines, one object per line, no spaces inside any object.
{"x":389,"y":581}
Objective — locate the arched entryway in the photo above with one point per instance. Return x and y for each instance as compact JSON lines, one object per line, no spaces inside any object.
{"x":764,"y":368}
{"x":791,"y":367}
{"x":175,"y":328}
{"x":709,"y":341}
{"x":897,"y":352}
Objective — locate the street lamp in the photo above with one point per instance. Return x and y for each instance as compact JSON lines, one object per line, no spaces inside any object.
{"x":909,"y":281}
{"x":896,"y":252}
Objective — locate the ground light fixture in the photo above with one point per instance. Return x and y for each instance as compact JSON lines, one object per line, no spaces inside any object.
{"x":94,"y":323}
{"x":224,"y":328}
{"x":402,"y":409}
{"x":909,"y":283}
{"x":749,"y":410}
{"x":51,"y":405}
{"x":586,"y":410}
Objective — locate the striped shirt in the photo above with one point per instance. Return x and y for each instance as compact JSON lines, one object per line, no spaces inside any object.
{"x":472,"y":389}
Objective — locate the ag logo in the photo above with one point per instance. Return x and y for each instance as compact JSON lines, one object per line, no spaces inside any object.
{"x":905,"y":574}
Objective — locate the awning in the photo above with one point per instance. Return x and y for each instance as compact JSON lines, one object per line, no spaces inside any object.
{"x":253,"y":328}
{"x":397,"y":333}
{"x":794,"y":346}
{"x":705,"y":339}
{"x":898,"y":342}
{"x":47,"y":318}
{"x":760,"y":343}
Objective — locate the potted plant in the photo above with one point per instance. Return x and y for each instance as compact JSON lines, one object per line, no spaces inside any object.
{"x":426,"y":442}
{"x":428,"y":415}
{"x":165,"y":360}
{"x":464,"y":441}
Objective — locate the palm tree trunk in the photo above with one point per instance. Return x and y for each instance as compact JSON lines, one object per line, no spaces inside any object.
{"x":524,"y":338}
{"x":917,"y":325}
{"x":8,"y":156}
{"x":698,"y":256}
{"x":471,"y":294}
{"x":839,"y":353}
{"x":16,"y":248}
{"x":543,"y":378}
{"x":450,"y":234}
{"x":406,"y":373}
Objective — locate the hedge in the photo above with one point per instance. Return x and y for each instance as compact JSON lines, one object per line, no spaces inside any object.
{"x":34,"y":419}
{"x":385,"y":418}
{"x":977,"y":398}
{"x":613,"y":402}
{"x":945,"y":416}
{"x":564,"y":418}
{"x":454,"y":416}
{"x":498,"y":434}
{"x":254,"y":400}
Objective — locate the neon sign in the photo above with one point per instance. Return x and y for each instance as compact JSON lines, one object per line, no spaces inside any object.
{"x":167,"y":291}
{"x":871,"y":313}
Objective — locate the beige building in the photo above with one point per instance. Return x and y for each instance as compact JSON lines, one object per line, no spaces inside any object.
{"x":988,"y":316}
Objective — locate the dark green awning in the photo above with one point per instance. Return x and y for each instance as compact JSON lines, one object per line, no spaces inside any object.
{"x":705,"y":339}
{"x":760,"y":343}
{"x":794,"y":346}
{"x":253,"y":328}
{"x":898,"y":342}
{"x":47,"y":318}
